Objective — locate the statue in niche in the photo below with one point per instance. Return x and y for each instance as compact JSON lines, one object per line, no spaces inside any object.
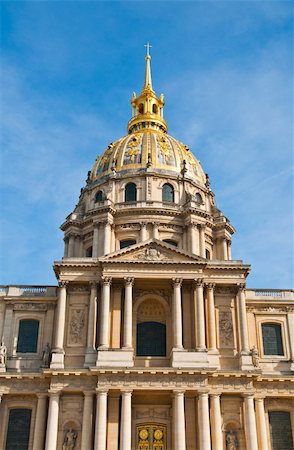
{"x":3,"y":354}
{"x":255,"y":357}
{"x":231,"y":440}
{"x":46,"y":355}
{"x":69,"y":440}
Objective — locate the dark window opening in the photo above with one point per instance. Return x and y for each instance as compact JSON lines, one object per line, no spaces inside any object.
{"x":131,"y":192}
{"x":28,"y":336}
{"x":154,"y":109}
{"x":280,"y":430}
{"x":151,"y":339}
{"x":89,"y":252}
{"x":141,"y":108}
{"x":207,"y":254}
{"x":198,"y":198}
{"x":127,"y":243}
{"x":272,"y":339}
{"x":167,"y":193}
{"x":18,"y":431}
{"x":99,"y":197}
{"x":170,"y":242}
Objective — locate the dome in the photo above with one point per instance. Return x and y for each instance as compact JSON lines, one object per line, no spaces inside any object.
{"x":147,"y":147}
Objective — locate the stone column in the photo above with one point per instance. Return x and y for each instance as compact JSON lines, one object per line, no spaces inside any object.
{"x":203,"y":422}
{"x":177,"y":314}
{"x":92,"y":318}
{"x":65,"y":247}
{"x":155,"y":230}
{"x":101,"y":420}
{"x":86,"y":440}
{"x":126,"y":421}
{"x":229,"y":250}
{"x":250,"y":424}
{"x":216,"y":422}
{"x":179,"y":429}
{"x":211,"y":316}
{"x":52,"y":421}
{"x":71,"y":245}
{"x":199,"y":315}
{"x":95,"y":249}
{"x":107,"y":238}
{"x":290,"y":318}
{"x":104,"y":320}
{"x":128,"y":313}
{"x":192,"y":232}
{"x":57,"y":360}
{"x":243,"y":321}
{"x":224,"y":249}
{"x":261,"y":424}
{"x":40,"y":422}
{"x":202,"y":240}
{"x":143,"y":232}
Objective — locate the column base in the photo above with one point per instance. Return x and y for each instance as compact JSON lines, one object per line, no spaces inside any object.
{"x":57,"y":360}
{"x":90,"y":357}
{"x":2,"y":368}
{"x":115,"y":358}
{"x":186,"y":359}
{"x":245,"y":362}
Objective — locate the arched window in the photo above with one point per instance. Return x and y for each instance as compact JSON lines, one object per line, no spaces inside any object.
{"x":167,"y":193}
{"x":99,"y":197}
{"x":141,"y":108}
{"x":18,"y":430}
{"x":170,"y":242}
{"x":151,"y":339}
{"x":272,"y":339}
{"x":198,"y":198}
{"x":127,"y":243}
{"x":280,"y":430}
{"x":28,"y":336}
{"x":207,"y":254}
{"x":131,"y":192}
{"x":154,"y":109}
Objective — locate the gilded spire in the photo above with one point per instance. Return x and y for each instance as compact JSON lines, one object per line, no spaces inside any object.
{"x":148,"y":80}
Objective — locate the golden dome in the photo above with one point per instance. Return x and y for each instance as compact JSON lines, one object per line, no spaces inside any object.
{"x":151,"y":150}
{"x":148,"y":146}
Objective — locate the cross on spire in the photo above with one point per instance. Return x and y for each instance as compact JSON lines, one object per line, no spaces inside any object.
{"x":148,"y":46}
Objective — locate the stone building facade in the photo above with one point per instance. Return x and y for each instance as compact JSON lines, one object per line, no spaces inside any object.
{"x":151,"y":340}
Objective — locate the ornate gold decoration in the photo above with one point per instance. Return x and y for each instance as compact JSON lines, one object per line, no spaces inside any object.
{"x":151,"y":436}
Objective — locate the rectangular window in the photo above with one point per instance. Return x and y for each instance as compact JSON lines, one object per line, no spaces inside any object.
{"x":18,"y":432}
{"x":272,"y":339}
{"x":280,"y":430}
{"x":28,"y":336}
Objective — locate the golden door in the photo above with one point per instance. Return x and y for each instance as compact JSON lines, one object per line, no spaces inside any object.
{"x":151,"y":436}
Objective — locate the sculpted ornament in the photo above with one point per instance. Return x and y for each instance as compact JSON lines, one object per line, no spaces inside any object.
{"x":3,"y":354}
{"x":70,"y":438}
{"x":231,"y":440}
{"x":255,"y":357}
{"x":152,"y":254}
{"x":77,"y":324}
{"x":226,"y":327}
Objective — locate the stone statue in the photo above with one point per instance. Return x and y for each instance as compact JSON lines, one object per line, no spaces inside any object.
{"x":47,"y":355}
{"x":231,"y":440}
{"x":255,"y":357}
{"x":3,"y":354}
{"x":70,"y":438}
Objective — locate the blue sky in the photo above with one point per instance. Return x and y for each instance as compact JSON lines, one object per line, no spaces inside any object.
{"x":68,"y":70}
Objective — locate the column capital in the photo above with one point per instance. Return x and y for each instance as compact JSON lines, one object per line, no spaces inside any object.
{"x":178,"y":392}
{"x":62,"y":283}
{"x":94,"y":284}
{"x":242,"y":287}
{"x":201,"y":226}
{"x":143,"y":224}
{"x":106,"y":280}
{"x":202,"y":394}
{"x":198,"y":282}
{"x":260,"y":398}
{"x":42,"y":395}
{"x":210,"y":286}
{"x":129,"y":281}
{"x":248,"y":395}
{"x":215,"y":394}
{"x":88,"y":393}
{"x":126,"y":392}
{"x":101,"y":390}
{"x":54,"y":392}
{"x":177,"y":282}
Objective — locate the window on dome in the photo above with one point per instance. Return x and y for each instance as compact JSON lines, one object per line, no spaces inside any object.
{"x":207,"y":254}
{"x":198,"y":198}
{"x":131,"y":192}
{"x":151,"y":339}
{"x":167,"y":193}
{"x":27,"y":336}
{"x":154,"y":109}
{"x":18,"y":430}
{"x":99,"y":197}
{"x":272,"y":339}
{"x":170,"y":242}
{"x":280,"y":430}
{"x":127,"y":243}
{"x":141,"y":108}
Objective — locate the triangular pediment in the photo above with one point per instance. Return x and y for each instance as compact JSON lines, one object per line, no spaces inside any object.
{"x":152,"y":251}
